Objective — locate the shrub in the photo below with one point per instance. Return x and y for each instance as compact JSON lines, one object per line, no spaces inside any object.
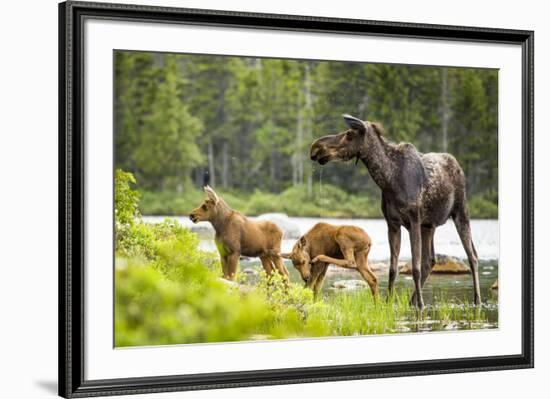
{"x":126,"y":199}
{"x":484,"y":206}
{"x":194,"y":307}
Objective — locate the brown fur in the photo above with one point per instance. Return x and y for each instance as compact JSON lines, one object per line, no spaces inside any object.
{"x":419,"y":192}
{"x":236,"y":235}
{"x":324,"y":244}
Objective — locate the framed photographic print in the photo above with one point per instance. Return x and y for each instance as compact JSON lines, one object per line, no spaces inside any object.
{"x":252,"y":199}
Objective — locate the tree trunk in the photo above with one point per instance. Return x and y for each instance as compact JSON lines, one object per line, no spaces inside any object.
{"x":211,"y":164}
{"x":225,"y":165}
{"x":445,"y":110}
{"x":307,"y":128}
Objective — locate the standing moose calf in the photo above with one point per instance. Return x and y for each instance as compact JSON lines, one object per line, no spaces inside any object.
{"x":324,"y":244}
{"x":236,"y":235}
{"x":419,"y":192}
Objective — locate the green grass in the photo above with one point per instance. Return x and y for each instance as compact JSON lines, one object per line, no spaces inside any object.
{"x":294,"y":201}
{"x":186,"y":303}
{"x":168,"y":291}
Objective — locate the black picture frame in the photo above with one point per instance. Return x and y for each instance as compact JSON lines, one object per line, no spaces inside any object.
{"x":71,"y":200}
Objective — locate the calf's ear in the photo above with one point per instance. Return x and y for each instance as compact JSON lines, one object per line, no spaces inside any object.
{"x":211,"y":194}
{"x":354,"y":123}
{"x":303,"y":241}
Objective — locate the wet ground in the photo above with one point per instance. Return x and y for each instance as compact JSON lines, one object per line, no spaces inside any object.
{"x":448,"y":297}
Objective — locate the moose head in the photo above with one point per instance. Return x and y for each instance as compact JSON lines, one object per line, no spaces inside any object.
{"x":300,"y":258}
{"x":346,"y":145}
{"x":207,"y":210}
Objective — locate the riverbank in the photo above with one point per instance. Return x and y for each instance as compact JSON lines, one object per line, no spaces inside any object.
{"x":485,"y":234}
{"x":168,"y":290}
{"x":323,"y":201}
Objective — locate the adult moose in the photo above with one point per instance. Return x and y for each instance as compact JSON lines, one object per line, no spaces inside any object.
{"x":419,"y":192}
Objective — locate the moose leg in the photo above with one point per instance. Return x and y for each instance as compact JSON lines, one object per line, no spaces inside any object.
{"x":316,"y":271}
{"x":266,"y":263}
{"x":320,"y":278}
{"x":232,"y":265}
{"x":462,"y":223}
{"x":349,"y":263}
{"x":366,"y":272}
{"x":394,"y":238}
{"x":415,"y":233}
{"x":279,"y":264}
{"x":225,"y":272}
{"x":427,"y":257}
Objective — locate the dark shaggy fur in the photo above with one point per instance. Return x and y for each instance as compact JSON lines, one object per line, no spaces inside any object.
{"x":419,"y":192}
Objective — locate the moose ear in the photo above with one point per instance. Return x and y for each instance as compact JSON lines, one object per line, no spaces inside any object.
{"x":211,"y":194}
{"x":354,"y":123}
{"x":303,"y":241}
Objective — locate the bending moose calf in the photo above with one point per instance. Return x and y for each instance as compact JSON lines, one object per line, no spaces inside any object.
{"x":324,"y":244}
{"x":236,"y":235}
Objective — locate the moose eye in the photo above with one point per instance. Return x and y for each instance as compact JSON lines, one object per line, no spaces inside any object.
{"x":203,"y":207}
{"x":349,"y":135}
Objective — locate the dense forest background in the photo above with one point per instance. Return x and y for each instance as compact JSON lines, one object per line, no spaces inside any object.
{"x":245,"y":125}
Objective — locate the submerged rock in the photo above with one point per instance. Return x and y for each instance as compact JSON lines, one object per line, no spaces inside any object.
{"x":290,"y":228}
{"x":381,"y":267}
{"x":349,"y":284}
{"x":242,"y":288}
{"x":229,"y":283}
{"x":250,"y":271}
{"x":443,"y":264}
{"x":378,"y":266}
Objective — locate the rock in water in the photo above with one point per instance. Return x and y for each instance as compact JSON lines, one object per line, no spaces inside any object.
{"x":242,"y":288}
{"x":250,"y":272}
{"x":290,"y":229}
{"x":378,"y":266}
{"x":495,"y":285}
{"x":443,"y":264}
{"x":349,"y":284}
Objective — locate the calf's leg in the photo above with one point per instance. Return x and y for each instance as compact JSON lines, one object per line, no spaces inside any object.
{"x":280,"y":266}
{"x":232,"y":265}
{"x":320,"y":278}
{"x":225,"y":271}
{"x":366,"y":272}
{"x":267,"y":264}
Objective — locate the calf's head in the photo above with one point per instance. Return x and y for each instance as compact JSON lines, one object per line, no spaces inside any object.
{"x":207,"y":210}
{"x":342,"y":146}
{"x":300,"y":258}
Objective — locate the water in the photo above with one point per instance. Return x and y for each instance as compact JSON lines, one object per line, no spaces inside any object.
{"x":451,"y":287}
{"x":485,"y":235}
{"x":321,"y":198}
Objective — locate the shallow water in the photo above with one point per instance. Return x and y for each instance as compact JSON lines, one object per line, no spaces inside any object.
{"x":455,"y":289}
{"x":485,"y":234}
{"x":449,"y":288}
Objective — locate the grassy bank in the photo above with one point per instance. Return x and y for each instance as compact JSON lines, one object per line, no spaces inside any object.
{"x":168,"y":291}
{"x":326,"y":201}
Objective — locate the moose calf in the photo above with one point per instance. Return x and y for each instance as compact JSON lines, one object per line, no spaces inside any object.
{"x":236,"y":235}
{"x":324,"y":244}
